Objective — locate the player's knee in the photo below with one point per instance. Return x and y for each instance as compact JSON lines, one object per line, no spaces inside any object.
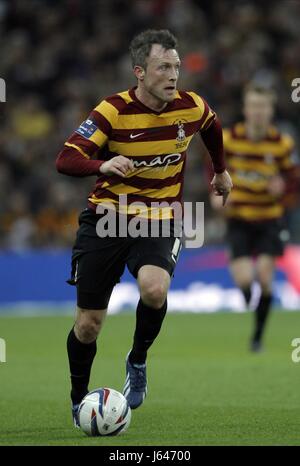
{"x":265,"y":284}
{"x":243,"y":278}
{"x":88,"y":328}
{"x":242,"y":272}
{"x":264,"y":278}
{"x":244,"y":283}
{"x":153,"y":294}
{"x":87,"y":332}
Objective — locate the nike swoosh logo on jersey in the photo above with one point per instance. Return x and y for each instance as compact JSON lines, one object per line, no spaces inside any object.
{"x":133,"y":136}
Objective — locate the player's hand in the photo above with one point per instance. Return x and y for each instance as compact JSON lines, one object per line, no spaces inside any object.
{"x":118,"y":165}
{"x":276,"y":186}
{"x":222,"y":185}
{"x":216,"y":202}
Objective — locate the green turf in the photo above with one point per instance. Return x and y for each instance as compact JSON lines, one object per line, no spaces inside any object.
{"x":205,"y":388}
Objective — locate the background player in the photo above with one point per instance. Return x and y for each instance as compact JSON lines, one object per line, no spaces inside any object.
{"x":259,"y":159}
{"x":130,"y":134}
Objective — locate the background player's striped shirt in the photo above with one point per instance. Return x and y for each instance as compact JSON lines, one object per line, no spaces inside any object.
{"x":156,"y":142}
{"x":252,"y":166}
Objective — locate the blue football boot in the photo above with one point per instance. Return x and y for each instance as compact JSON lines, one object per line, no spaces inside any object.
{"x":75,"y":415}
{"x":135,"y":388}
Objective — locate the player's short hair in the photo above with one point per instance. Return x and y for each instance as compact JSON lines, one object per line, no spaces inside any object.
{"x":140,"y":46}
{"x":260,"y":89}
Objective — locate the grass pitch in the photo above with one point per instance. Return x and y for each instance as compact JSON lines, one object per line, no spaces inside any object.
{"x":205,"y":388}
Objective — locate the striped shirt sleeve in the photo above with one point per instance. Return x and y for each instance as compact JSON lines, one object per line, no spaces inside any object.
{"x":206,"y":114}
{"x":85,"y":142}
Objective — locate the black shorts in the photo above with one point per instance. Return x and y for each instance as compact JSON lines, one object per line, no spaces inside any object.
{"x":98,"y":263}
{"x":252,"y":239}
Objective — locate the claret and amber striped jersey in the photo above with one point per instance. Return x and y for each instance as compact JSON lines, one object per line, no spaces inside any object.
{"x":252,"y":165}
{"x":156,"y":142}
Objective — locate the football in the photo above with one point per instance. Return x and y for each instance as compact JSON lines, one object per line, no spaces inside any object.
{"x":104,"y":411}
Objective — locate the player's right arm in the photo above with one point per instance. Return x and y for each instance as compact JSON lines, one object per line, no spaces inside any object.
{"x":75,"y":159}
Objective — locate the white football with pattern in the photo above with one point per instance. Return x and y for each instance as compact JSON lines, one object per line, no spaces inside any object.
{"x":103,"y":412}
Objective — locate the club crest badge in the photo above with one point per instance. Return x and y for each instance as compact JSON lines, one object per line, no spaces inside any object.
{"x":180,"y":132}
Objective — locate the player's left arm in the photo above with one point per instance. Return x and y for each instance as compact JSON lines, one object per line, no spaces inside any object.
{"x":212,"y":136}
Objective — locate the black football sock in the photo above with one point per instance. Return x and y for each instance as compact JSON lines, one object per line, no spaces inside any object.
{"x":247,"y":294}
{"x":261,"y":314}
{"x":81,"y":357}
{"x":148,"y":325}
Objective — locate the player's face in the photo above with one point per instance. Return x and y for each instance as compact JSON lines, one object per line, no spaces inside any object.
{"x":161,"y":74}
{"x":258,"y":109}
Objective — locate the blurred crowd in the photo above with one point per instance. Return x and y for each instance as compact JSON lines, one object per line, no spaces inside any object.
{"x":60,"y":58}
